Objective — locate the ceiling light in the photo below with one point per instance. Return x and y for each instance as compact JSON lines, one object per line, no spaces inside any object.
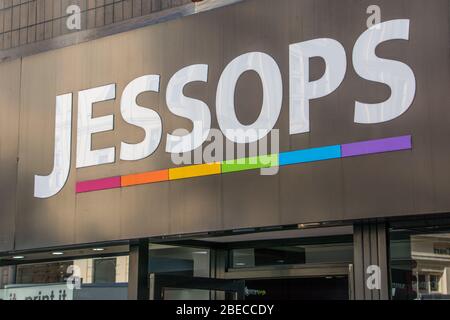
{"x":98,"y":249}
{"x":307,"y":225}
{"x":18,"y":257}
{"x":57,"y":253}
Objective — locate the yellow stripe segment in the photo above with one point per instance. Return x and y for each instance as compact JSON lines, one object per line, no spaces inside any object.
{"x":195,"y":171}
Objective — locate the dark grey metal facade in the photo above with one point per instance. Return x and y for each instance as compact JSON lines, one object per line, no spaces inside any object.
{"x":385,"y":185}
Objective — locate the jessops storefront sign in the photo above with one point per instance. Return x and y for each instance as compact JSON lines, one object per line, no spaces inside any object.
{"x":359,"y":114}
{"x":396,"y":75}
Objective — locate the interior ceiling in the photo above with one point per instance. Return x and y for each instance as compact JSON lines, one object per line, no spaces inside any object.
{"x":69,"y":253}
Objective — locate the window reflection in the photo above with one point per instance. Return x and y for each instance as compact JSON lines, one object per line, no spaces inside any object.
{"x":420,"y":264}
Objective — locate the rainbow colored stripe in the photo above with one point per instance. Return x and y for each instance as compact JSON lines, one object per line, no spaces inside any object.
{"x":224,"y":167}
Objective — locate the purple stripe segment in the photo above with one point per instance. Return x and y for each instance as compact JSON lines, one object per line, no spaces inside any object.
{"x":100,"y":184}
{"x":377,"y":146}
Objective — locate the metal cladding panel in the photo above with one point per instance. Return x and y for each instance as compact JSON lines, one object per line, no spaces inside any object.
{"x":413,"y":181}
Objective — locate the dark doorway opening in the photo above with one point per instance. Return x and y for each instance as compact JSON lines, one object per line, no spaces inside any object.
{"x":324,"y":288}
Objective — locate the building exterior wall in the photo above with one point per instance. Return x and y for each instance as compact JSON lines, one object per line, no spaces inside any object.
{"x":373,"y":189}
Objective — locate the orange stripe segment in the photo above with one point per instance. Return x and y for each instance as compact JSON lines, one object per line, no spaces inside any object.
{"x":145,"y":178}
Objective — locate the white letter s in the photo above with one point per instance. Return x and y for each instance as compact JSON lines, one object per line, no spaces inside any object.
{"x":397,"y":75}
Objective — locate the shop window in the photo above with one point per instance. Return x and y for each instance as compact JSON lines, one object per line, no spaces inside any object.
{"x":105,"y":270}
{"x":423,"y":284}
{"x":43,"y":273}
{"x":434,"y":283}
{"x":99,"y":278}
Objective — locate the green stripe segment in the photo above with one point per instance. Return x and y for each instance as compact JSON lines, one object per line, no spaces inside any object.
{"x":251,"y":163}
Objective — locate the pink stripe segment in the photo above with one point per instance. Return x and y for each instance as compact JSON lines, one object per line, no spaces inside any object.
{"x":100,"y":184}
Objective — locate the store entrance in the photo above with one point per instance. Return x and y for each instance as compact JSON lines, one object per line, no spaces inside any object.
{"x":166,"y":287}
{"x":281,"y":265}
{"x":320,"y":288}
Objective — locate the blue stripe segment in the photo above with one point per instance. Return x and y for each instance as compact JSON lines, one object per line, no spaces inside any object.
{"x":310,"y":155}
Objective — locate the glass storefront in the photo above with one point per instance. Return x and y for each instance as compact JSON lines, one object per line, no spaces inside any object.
{"x":251,"y":267}
{"x":104,"y":275}
{"x":289,"y":264}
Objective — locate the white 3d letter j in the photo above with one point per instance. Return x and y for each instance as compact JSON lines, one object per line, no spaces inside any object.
{"x":397,"y":75}
{"x":48,"y":186}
